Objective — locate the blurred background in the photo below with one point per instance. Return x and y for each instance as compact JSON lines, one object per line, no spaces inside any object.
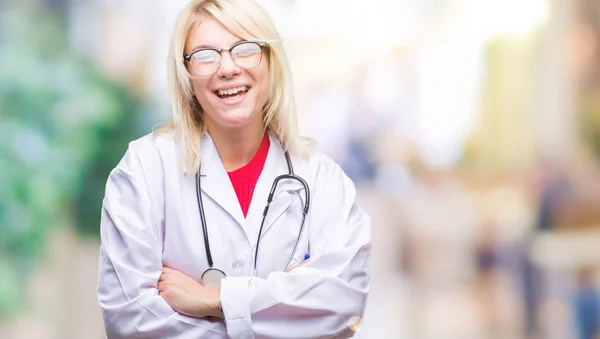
{"x":470,"y":127}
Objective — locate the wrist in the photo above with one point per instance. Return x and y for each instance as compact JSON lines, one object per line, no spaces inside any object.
{"x":216,"y":309}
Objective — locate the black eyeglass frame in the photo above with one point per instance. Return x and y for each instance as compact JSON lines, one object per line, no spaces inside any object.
{"x":260,"y":44}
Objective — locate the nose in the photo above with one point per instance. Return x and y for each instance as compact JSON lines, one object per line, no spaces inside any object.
{"x":228,"y":68}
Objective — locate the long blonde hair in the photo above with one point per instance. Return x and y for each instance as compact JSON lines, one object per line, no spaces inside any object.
{"x":247,"y":20}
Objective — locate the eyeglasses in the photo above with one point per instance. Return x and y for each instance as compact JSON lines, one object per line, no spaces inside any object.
{"x":207,"y":61}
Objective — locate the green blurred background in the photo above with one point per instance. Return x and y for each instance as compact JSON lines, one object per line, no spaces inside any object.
{"x":64,"y":125}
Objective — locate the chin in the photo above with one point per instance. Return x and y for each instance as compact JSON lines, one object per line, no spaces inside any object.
{"x":237,"y":118}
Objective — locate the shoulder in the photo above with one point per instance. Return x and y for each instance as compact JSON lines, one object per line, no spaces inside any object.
{"x":323,"y":170}
{"x":320,"y":162}
{"x":153,"y":144}
{"x":148,"y":154}
{"x":144,"y":167}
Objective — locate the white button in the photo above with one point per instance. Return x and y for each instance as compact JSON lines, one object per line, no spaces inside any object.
{"x":238,"y":264}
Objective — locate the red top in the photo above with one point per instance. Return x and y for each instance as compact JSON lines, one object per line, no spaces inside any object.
{"x":244,"y":178}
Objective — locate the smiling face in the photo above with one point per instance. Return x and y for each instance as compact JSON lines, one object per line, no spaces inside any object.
{"x":232,"y":97}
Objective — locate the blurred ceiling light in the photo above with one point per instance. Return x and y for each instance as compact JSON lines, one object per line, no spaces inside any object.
{"x":373,"y":29}
{"x":507,"y":17}
{"x":380,"y":28}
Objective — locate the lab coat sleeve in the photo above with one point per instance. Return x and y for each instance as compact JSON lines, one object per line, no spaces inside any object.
{"x":130,"y":264}
{"x":323,"y":298}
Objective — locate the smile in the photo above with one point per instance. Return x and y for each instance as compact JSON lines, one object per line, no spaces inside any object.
{"x":232,"y":96}
{"x":231,"y":93}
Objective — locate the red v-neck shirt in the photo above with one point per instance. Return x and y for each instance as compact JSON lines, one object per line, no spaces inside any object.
{"x":244,"y":178}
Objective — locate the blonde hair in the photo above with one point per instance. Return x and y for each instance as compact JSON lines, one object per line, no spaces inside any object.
{"x":247,"y":20}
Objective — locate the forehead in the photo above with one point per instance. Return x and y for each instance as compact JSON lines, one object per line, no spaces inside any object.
{"x":210,"y":33}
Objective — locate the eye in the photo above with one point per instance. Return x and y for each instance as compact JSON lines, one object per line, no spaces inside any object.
{"x":246,"y":49}
{"x":206,"y":56}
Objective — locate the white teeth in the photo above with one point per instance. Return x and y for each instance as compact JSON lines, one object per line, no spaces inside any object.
{"x":232,"y":90}
{"x":232,"y":98}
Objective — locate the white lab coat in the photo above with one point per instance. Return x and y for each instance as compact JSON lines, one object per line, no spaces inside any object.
{"x":150,"y":218}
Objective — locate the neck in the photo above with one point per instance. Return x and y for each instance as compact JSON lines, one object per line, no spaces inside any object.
{"x":236,"y":147}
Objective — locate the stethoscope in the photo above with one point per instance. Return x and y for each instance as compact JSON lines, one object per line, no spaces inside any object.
{"x":212,"y":276}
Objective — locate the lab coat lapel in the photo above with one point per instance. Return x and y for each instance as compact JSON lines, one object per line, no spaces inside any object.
{"x":275,"y":165}
{"x":215,"y":181}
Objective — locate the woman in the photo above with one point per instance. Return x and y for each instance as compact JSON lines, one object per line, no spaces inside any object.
{"x":186,"y":251}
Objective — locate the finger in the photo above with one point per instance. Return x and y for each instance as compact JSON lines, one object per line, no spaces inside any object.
{"x":303,"y":263}
{"x":292,"y":267}
{"x":298,"y":265}
{"x":165,"y":270}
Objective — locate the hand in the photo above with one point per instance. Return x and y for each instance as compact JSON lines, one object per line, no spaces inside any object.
{"x":187,"y":296}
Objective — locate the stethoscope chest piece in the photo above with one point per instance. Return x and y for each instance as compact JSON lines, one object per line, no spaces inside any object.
{"x":212,"y":277}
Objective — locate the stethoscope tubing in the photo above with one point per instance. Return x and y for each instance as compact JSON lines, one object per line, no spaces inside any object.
{"x":305,"y":210}
{"x":266,"y":210}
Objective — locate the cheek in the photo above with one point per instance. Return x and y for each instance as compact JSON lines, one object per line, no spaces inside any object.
{"x":264,"y":80}
{"x":200,"y":91}
{"x":198,"y":87}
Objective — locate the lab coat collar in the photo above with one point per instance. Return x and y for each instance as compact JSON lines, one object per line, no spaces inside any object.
{"x":217,"y":185}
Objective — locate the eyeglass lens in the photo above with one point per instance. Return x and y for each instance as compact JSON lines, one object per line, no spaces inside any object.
{"x":207,"y":62}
